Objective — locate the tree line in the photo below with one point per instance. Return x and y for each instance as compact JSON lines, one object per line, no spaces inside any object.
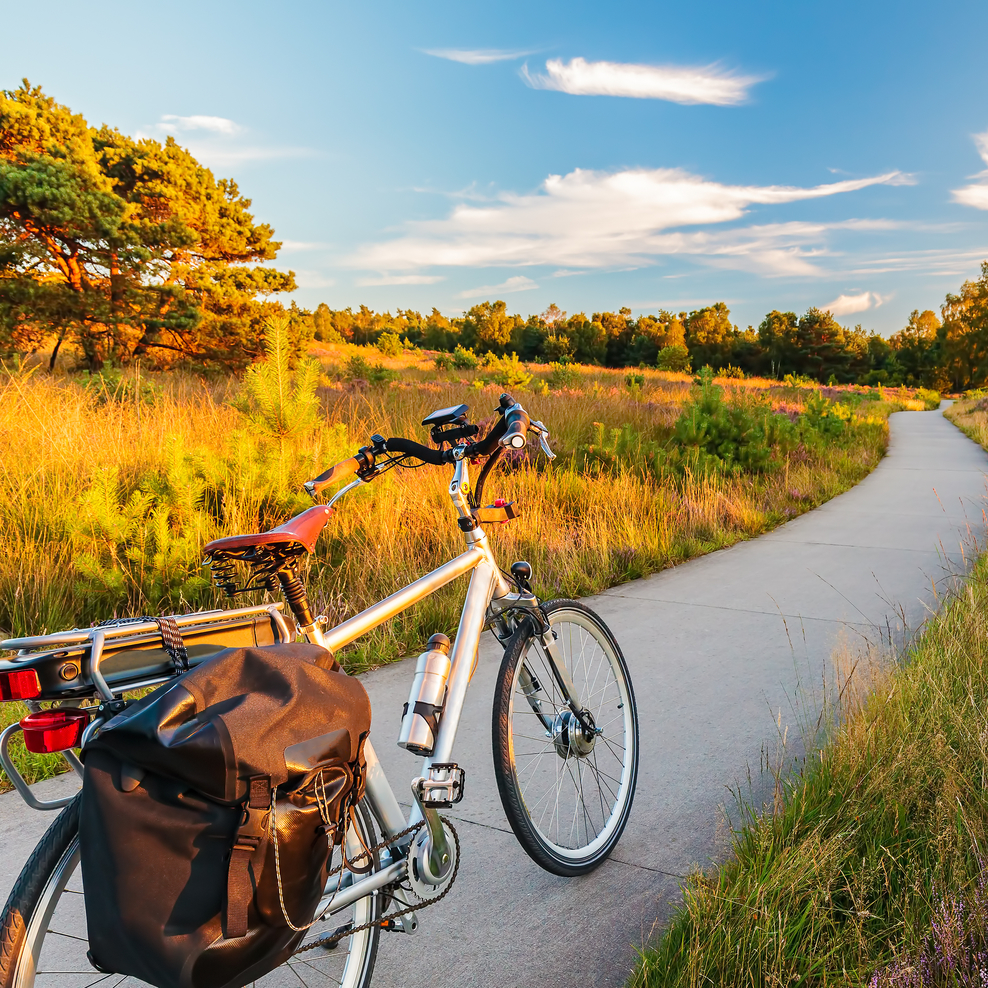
{"x":131,"y":249}
{"x":948,"y":352}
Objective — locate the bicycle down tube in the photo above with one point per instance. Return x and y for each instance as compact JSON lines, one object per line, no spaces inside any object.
{"x":485,"y":582}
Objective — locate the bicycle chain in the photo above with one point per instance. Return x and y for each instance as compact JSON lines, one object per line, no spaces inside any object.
{"x":328,"y":941}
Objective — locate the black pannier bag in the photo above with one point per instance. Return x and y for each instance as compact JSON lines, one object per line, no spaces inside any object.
{"x":178,"y":853}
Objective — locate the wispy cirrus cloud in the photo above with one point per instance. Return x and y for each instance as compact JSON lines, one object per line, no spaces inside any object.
{"x":677,"y":84}
{"x":476,"y":56}
{"x":976,"y":194}
{"x":594,"y":220}
{"x":401,"y":279}
{"x":218,"y":142}
{"x":517,"y":284}
{"x":845,"y":305}
{"x":216,"y":125}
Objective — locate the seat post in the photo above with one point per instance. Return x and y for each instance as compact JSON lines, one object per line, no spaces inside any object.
{"x":298,"y":600}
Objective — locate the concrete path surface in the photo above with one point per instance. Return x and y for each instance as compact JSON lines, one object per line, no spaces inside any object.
{"x":722,"y":650}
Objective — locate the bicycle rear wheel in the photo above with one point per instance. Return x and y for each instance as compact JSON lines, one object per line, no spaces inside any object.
{"x":43,"y":938}
{"x":567,"y":794}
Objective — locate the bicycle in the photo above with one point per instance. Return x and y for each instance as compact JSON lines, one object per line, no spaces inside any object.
{"x":564,"y":724}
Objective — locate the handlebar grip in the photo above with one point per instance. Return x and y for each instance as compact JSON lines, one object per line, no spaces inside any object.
{"x":327,"y":477}
{"x":426,"y":454}
{"x":516,"y":431}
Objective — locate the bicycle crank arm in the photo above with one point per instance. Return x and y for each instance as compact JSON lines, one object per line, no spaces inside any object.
{"x":434,"y":855}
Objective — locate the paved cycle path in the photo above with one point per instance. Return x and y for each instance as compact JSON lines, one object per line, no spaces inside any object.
{"x":724,"y":652}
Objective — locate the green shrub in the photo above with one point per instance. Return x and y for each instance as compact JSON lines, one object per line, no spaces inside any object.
{"x":633,"y":381}
{"x":508,"y":372}
{"x":359,"y":369}
{"x":617,"y":449}
{"x":443,"y":361}
{"x":730,"y":371}
{"x":557,"y":348}
{"x":725,"y":437}
{"x":390,"y":344}
{"x":824,"y":417}
{"x":930,"y":397}
{"x":562,"y":375}
{"x":798,"y":381}
{"x":464,"y":358}
{"x":674,"y":358}
{"x":110,"y":385}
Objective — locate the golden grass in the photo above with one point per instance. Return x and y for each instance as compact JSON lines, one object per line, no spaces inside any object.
{"x":104,"y":507}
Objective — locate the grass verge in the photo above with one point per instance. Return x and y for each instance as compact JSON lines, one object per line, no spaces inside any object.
{"x":870,"y":870}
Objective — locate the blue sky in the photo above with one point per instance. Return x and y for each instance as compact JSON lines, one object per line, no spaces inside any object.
{"x":774,"y":155}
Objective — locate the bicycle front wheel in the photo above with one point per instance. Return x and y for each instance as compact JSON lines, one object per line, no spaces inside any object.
{"x":567,"y":792}
{"x":43,"y":934}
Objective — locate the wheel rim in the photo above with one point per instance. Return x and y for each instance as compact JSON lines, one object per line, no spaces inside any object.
{"x":55,"y":944}
{"x":574,"y":791}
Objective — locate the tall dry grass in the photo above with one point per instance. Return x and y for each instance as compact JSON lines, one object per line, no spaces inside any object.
{"x":106,"y":501}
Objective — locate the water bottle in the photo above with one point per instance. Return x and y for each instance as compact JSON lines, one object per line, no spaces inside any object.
{"x":420,"y":717}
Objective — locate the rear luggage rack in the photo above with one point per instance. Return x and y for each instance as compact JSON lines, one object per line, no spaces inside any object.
{"x":134,"y":653}
{"x":114,"y":658}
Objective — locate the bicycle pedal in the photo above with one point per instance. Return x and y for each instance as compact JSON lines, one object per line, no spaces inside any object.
{"x":443,"y":788}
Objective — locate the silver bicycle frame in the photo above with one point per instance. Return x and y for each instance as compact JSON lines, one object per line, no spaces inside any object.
{"x":486,"y":584}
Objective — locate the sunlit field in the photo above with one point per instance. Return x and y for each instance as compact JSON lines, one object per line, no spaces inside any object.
{"x":112,"y":485}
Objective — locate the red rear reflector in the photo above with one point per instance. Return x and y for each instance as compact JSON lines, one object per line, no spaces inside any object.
{"x":21,"y":684}
{"x":53,"y":730}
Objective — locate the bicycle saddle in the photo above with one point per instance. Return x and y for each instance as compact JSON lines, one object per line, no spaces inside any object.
{"x":303,"y":530}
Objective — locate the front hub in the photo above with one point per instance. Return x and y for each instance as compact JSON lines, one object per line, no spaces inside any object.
{"x":570,"y":737}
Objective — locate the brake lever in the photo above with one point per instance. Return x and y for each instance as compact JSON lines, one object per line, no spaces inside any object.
{"x":543,"y":434}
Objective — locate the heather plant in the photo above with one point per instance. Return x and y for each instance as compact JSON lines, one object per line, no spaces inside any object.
{"x":954,"y":953}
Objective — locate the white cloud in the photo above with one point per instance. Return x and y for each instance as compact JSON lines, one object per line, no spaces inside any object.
{"x":844,"y":305}
{"x":217,"y":125}
{"x":302,"y":245}
{"x":217,"y":142}
{"x":590,"y":219}
{"x":517,"y":284}
{"x":401,"y":279}
{"x":679,"y":84}
{"x":976,"y":195}
{"x":313,"y":279}
{"x":476,"y":56}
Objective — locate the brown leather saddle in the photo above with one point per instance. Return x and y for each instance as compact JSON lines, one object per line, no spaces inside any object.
{"x":300,"y":532}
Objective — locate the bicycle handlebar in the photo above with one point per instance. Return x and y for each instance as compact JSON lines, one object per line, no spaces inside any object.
{"x":437,"y":457}
{"x":327,"y":477}
{"x":510,"y":431}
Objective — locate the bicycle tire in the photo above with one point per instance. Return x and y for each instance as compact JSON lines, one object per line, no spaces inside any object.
{"x":35,"y":909}
{"x":560,"y":762}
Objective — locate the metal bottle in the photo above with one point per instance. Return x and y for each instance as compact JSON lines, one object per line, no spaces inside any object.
{"x":420,"y":718}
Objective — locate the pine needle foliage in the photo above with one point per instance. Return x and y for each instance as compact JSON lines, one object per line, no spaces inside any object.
{"x":280,"y":402}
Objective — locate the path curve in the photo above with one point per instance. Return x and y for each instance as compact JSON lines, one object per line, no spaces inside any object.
{"x":718,"y":648}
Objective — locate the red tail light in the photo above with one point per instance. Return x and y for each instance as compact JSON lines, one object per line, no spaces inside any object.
{"x":22,"y":684}
{"x":53,"y":730}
